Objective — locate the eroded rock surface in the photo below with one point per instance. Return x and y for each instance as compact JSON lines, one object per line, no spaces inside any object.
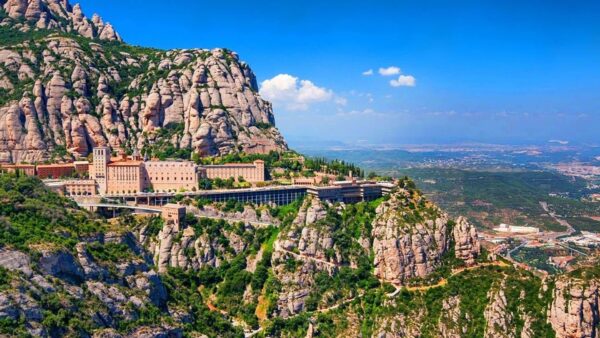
{"x":301,"y":252}
{"x":466,"y":243}
{"x":575,"y":309}
{"x":58,"y":102}
{"x":499,"y":320}
{"x":407,"y":245}
{"x":59,"y":15}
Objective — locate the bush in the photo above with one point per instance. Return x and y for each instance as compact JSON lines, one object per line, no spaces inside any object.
{"x":31,"y":214}
{"x":110,"y":252}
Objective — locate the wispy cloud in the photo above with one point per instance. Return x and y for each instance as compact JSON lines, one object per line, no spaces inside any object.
{"x":340,"y":100}
{"x":364,"y":112}
{"x":562,"y":142}
{"x":368,"y":72}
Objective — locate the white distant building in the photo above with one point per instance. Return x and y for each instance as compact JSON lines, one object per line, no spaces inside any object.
{"x":585,"y":239}
{"x":516,"y":229}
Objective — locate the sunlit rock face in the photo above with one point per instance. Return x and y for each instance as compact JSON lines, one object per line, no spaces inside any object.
{"x":406,"y":246}
{"x":68,"y":93}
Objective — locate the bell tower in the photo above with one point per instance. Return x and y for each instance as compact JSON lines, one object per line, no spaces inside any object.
{"x":101,"y":161}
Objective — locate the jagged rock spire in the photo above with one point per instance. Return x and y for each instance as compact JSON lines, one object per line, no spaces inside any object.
{"x":59,"y":15}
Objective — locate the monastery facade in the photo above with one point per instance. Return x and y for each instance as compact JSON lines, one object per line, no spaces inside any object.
{"x":127,"y":175}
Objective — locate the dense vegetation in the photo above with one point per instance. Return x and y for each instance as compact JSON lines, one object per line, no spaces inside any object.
{"x":30,"y":215}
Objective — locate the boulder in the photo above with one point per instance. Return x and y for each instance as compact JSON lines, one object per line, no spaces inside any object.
{"x":62,"y":265}
{"x":16,"y":261}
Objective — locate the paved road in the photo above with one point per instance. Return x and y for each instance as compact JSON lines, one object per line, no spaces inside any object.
{"x":515,"y":249}
{"x":120,"y":206}
{"x":570,"y":230}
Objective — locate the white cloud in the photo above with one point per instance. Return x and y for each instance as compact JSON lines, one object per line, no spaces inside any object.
{"x":404,"y":81}
{"x":293,"y":93}
{"x":389,"y":71}
{"x":368,"y":72}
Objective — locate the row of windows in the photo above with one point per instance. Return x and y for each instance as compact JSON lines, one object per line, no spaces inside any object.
{"x":169,"y":178}
{"x":279,"y":198}
{"x":134,"y":191}
{"x":172,"y":165}
{"x":79,"y":193}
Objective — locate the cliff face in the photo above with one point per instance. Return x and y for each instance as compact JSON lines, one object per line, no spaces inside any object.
{"x":499,"y":320}
{"x":575,"y":308}
{"x":66,"y":92}
{"x":409,"y":237}
{"x":466,"y":243}
{"x":301,"y":251}
{"x":192,"y":247}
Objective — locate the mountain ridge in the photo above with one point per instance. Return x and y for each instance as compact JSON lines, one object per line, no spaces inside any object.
{"x":66,"y":92}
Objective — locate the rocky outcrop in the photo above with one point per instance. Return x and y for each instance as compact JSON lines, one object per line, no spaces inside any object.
{"x":151,"y":284}
{"x":575,"y":308}
{"x":113,"y":298}
{"x":305,"y":243}
{"x":54,"y":14}
{"x":62,"y":265}
{"x":182,"y":248}
{"x":90,"y":268}
{"x":16,"y":305}
{"x":306,"y":237}
{"x":250,"y":214}
{"x":399,"y":326}
{"x":186,"y":248}
{"x":466,"y":243}
{"x":499,"y":320}
{"x":448,"y":326}
{"x":16,"y":261}
{"x":202,"y":101}
{"x":409,"y":237}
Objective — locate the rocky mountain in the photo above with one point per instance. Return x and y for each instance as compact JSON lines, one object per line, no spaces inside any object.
{"x":304,"y":270}
{"x":574,"y":311}
{"x":68,"y":84}
{"x":26,"y":15}
{"x":410,"y":237}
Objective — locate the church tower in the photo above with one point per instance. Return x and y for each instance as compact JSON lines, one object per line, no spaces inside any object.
{"x":101,"y":161}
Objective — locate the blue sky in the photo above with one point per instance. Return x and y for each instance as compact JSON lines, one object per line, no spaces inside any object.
{"x":469,"y":71}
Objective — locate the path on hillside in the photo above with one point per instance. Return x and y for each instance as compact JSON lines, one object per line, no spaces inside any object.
{"x":442,"y":281}
{"x":399,"y":288}
{"x":278,"y":247}
{"x":323,"y":310}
